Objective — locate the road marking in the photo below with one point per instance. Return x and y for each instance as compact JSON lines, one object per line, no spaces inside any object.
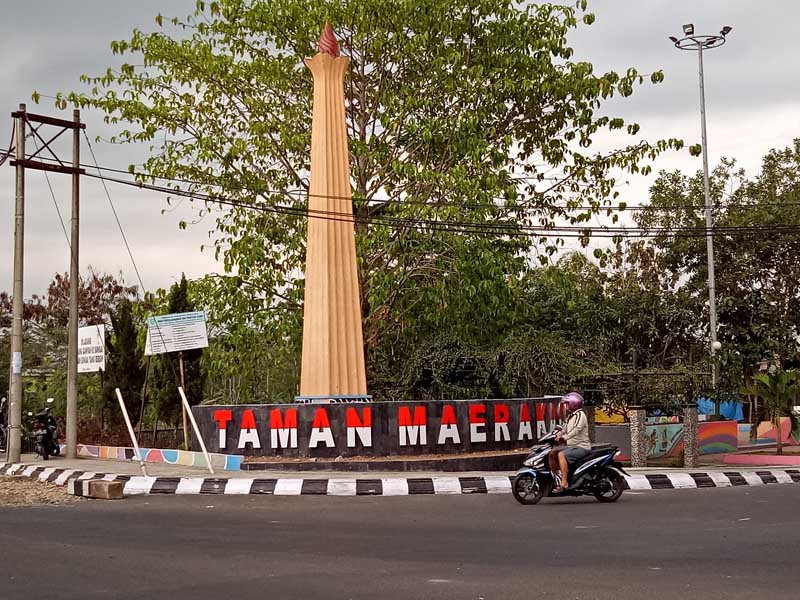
{"x":752,"y":478}
{"x":288,"y":487}
{"x":719,"y":479}
{"x":782,"y":476}
{"x":189,"y":485}
{"x":639,"y":482}
{"x":394,"y":487}
{"x":682,"y":480}
{"x":238,"y":486}
{"x":137,"y":485}
{"x":341,"y":487}
{"x":497,"y":485}
{"x":446,"y":485}
{"x":46,"y":473}
{"x":62,"y":479}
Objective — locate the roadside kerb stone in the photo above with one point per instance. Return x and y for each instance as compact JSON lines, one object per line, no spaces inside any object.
{"x":101,"y":489}
{"x":377,"y":486}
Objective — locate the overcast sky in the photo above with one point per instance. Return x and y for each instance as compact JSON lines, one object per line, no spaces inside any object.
{"x":752,"y":89}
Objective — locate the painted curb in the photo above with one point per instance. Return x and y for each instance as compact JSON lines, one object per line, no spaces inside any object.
{"x":392,"y":486}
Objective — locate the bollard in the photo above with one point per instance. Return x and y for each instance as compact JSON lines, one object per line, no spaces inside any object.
{"x":638,"y":419}
{"x":691,"y":446}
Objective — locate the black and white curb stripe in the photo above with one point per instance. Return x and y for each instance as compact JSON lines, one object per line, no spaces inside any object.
{"x":391,"y":486}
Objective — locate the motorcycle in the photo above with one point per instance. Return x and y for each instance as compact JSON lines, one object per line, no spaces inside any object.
{"x":45,"y":434}
{"x":598,"y":474}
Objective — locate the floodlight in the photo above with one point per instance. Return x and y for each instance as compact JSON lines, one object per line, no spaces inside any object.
{"x":688,"y":29}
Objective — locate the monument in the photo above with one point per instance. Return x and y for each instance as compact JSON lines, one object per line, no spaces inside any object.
{"x":333,"y":352}
{"x":332,"y":366}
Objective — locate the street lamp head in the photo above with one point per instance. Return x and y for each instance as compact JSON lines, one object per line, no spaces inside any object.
{"x":726,"y":30}
{"x":688,"y":29}
{"x":716,"y":346}
{"x":673,"y":39}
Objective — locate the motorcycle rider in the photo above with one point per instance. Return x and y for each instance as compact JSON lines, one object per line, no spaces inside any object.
{"x":51,"y":427}
{"x":575,"y":435}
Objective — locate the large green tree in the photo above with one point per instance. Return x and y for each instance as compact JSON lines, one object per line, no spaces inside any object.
{"x":756,"y":245}
{"x":468,"y":121}
{"x":124,"y":369}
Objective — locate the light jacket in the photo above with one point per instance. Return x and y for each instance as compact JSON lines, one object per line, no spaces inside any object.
{"x":576,"y":431}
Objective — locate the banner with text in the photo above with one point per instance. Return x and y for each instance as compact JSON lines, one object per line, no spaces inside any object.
{"x":376,"y":428}
{"x":91,"y":348}
{"x":176,"y":333}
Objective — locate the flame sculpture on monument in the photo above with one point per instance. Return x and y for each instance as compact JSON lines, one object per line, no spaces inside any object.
{"x":333,"y":347}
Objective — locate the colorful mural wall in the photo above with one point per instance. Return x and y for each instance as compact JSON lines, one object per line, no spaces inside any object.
{"x":665,"y":440}
{"x":718,"y":436}
{"x":154,"y":455}
{"x":767,"y":434}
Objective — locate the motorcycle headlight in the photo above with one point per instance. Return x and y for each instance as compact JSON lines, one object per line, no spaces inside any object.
{"x":529,"y":461}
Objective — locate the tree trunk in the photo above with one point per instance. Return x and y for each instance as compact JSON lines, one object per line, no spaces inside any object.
{"x":778,"y":436}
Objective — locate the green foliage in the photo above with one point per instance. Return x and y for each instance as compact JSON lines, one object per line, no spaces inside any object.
{"x":45,"y":341}
{"x":474,"y":112}
{"x":124,"y":363}
{"x":780,"y":391}
{"x":757,"y":274}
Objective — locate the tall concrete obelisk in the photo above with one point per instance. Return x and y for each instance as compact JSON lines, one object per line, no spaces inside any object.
{"x":333,"y":346}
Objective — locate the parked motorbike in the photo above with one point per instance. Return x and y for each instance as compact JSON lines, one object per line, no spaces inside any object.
{"x":45,"y":434}
{"x":598,"y":474}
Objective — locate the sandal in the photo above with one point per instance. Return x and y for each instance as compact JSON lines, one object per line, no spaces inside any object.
{"x":558,"y":489}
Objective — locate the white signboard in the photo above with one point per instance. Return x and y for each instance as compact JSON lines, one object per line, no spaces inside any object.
{"x":175,"y":333}
{"x":91,"y":348}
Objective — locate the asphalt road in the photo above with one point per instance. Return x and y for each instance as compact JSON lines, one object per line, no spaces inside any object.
{"x":720,"y":543}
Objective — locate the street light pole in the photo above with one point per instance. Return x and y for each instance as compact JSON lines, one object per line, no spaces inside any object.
{"x":699,"y":43}
{"x":712,"y":288}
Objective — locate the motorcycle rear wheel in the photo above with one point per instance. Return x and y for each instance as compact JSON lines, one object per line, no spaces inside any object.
{"x":612,"y":495}
{"x":527,"y":489}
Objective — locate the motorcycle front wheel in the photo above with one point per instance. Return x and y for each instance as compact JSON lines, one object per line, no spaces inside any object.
{"x":42,"y":452}
{"x":527,"y":489}
{"x":616,"y":482}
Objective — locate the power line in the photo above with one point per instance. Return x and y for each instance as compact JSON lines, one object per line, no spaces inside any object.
{"x":175,"y":376}
{"x":116,"y":216}
{"x":622,"y":207}
{"x":504,"y":228}
{"x":55,"y":204}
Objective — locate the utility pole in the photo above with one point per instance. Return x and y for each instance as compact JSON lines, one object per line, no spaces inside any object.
{"x":183,"y":408}
{"x":15,"y":402}
{"x":74,"y":279}
{"x":25,"y":126}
